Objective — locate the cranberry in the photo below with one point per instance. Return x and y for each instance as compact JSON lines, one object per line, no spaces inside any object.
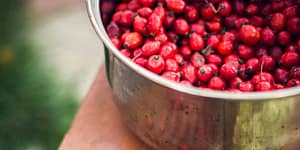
{"x":268,"y":36}
{"x":150,"y":48}
{"x":176,"y":5}
{"x":228,"y":71}
{"x":245,"y":52}
{"x":252,"y":65}
{"x":168,"y":50}
{"x":267,"y":62}
{"x":246,"y":86}
{"x":281,"y":75}
{"x":224,"y":8}
{"x":185,"y":51}
{"x":196,"y":42}
{"x":225,"y":47}
{"x":278,"y":21}
{"x":173,"y":76}
{"x":197,"y":59}
{"x":290,"y":59}
{"x":263,"y":86}
{"x":252,"y":9}
{"x":263,"y":76}
{"x":181,"y":27}
{"x":126,"y":18}
{"x":207,"y":11}
{"x":293,"y":25}
{"x":293,"y":83}
{"x":133,"y":40}
{"x":198,"y":28}
{"x":156,"y":64}
{"x":249,"y":35}
{"x":179,"y":59}
{"x":278,"y":5}
{"x":290,"y":11}
{"x":284,"y":38}
{"x":126,"y":53}
{"x":154,"y":24}
{"x":214,"y":26}
{"x":295,"y":73}
{"x":189,"y":73}
{"x":144,"y":12}
{"x":191,"y":13}
{"x":217,"y":83}
{"x":205,"y":73}
{"x":235,"y":82}
{"x":116,"y":42}
{"x":212,"y":41}
{"x":276,"y":52}
{"x":214,"y":59}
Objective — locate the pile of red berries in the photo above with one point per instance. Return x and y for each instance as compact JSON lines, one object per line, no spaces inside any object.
{"x":233,"y":45}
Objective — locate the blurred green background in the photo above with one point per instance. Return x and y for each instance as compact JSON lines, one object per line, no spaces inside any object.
{"x":48,"y":58}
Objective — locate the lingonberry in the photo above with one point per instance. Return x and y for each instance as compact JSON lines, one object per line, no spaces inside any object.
{"x":197,"y":60}
{"x":290,"y":59}
{"x":249,"y":35}
{"x":207,"y":11}
{"x":189,"y":72}
{"x":176,"y":5}
{"x":231,"y":58}
{"x":133,"y":40}
{"x":144,"y":12}
{"x":267,"y":63}
{"x":214,"y":59}
{"x":121,"y":7}
{"x":160,"y":11}
{"x":173,"y":76}
{"x":137,"y":52}
{"x":185,"y":51}
{"x":239,"y":6}
{"x":293,"y":25}
{"x":281,"y":75}
{"x":168,"y":50}
{"x":224,"y":8}
{"x":268,"y":37}
{"x":284,"y":38}
{"x":214,"y":26}
{"x":243,"y":72}
{"x":246,"y":86}
{"x":205,"y":73}
{"x":235,"y":82}
{"x":191,"y":13}
{"x":278,"y":21}
{"x":228,"y":71}
{"x":172,"y":65}
{"x":150,"y":48}
{"x":196,"y":42}
{"x":181,"y":27}
{"x":266,"y":10}
{"x":156,"y":64}
{"x":225,"y":48}
{"x":214,"y":68}
{"x":217,"y":83}
{"x":252,"y":65}
{"x":295,"y":72}
{"x":245,"y":52}
{"x":263,"y":86}
{"x":291,"y":48}
{"x":293,"y":83}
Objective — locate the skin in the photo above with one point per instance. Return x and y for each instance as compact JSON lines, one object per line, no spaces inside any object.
{"x":97,"y":124}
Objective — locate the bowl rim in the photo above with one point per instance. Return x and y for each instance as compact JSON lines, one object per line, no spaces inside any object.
{"x":99,"y":28}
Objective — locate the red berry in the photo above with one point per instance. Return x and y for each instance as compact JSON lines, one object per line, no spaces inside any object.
{"x":150,"y":48}
{"x":293,"y":83}
{"x":290,"y":59}
{"x":243,"y":72}
{"x":225,"y":47}
{"x":281,"y":75}
{"x":170,"y":19}
{"x":116,"y":42}
{"x":298,"y":45}
{"x":217,"y":83}
{"x":245,"y":52}
{"x":113,"y":30}
{"x":240,"y":22}
{"x":229,"y":36}
{"x":252,"y":9}
{"x":263,"y":86}
{"x":246,"y":86}
{"x":278,"y":86}
{"x":137,"y":52}
{"x":278,"y":5}
{"x":276,"y":52}
{"x":189,"y":73}
{"x":231,"y":58}
{"x":186,"y":83}
{"x":268,"y":36}
{"x":290,"y":11}
{"x":198,"y":28}
{"x":235,"y":82}
{"x":228,"y":71}
{"x":133,"y":40}
{"x":160,"y":11}
{"x":263,"y":76}
{"x":168,"y":50}
{"x":278,"y":21}
{"x":291,"y":48}
{"x":266,"y":9}
{"x":205,"y":73}
{"x":252,"y":65}
{"x":261,"y":52}
{"x":173,"y":76}
{"x":185,"y":51}
{"x":284,"y":38}
{"x":249,"y":35}
{"x":224,"y":8}
{"x":239,"y":6}
{"x":121,"y":7}
{"x":179,"y":59}
{"x":197,"y":59}
{"x":176,"y":5}
{"x":147,"y":3}
{"x":126,"y":53}
{"x":141,"y":61}
{"x":257,"y":21}
{"x":207,"y":11}
{"x":196,"y":42}
{"x":172,"y":37}
{"x":126,"y":18}
{"x":191,"y":13}
{"x":293,"y":25}
{"x":214,"y":68}
{"x":230,"y":21}
{"x":295,"y":73}
{"x":172,"y":65}
{"x":214,"y":1}
{"x":267,"y":63}
{"x":156,"y":64}
{"x":154,"y":24}
{"x":181,"y":27}
{"x":140,"y":24}
{"x":144,"y":12}
{"x":133,"y":5}
{"x":214,"y":26}
{"x":161,"y":37}
{"x":214,"y":59}
{"x":213,"y":41}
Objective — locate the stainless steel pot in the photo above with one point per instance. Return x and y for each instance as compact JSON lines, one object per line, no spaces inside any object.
{"x":166,"y":115}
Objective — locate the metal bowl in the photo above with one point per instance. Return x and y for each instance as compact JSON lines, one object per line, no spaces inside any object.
{"x":166,"y":115}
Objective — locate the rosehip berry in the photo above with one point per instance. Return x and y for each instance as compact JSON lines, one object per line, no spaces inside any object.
{"x":197,"y":60}
{"x":249,"y":35}
{"x":257,"y":21}
{"x":231,"y":58}
{"x":276,"y":52}
{"x":246,"y":86}
{"x":263,"y":76}
{"x":161,"y":37}
{"x":268,"y":37}
{"x":290,"y":11}
{"x":121,"y":7}
{"x":293,"y":25}
{"x":179,"y":59}
{"x":172,"y":65}
{"x":278,"y":21}
{"x":196,"y":42}
{"x":266,"y":9}
{"x":293,"y":83}
{"x":239,"y":6}
{"x":225,"y":48}
{"x":235,"y":82}
{"x":243,"y":72}
{"x":154,"y":24}
{"x":156,"y":64}
{"x":198,"y":28}
{"x":126,"y":53}
{"x":291,"y":48}
{"x":126,"y":18}
{"x":263,"y":86}
{"x":137,"y":52}
{"x":205,"y":73}
{"x":133,"y":5}
{"x":160,"y":11}
{"x":290,"y":59}
{"x":245,"y":52}
{"x":281,"y":75}
{"x":116,"y":42}
{"x":172,"y":37}
{"x":168,"y":50}
{"x":214,"y":68}
{"x":240,"y":22}
{"x":173,"y":76}
{"x":147,"y":3}
{"x":228,"y":36}
{"x":181,"y":27}
{"x":207,"y":11}
{"x":176,"y":5}
{"x":191,"y":13}
{"x":224,"y":8}
{"x":261,"y":52}
{"x":150,"y":48}
{"x":214,"y":59}
{"x":217,"y":83}
{"x":189,"y":73}
{"x":295,"y":73}
{"x":141,"y":61}
{"x":252,"y":65}
{"x":252,"y":9}
{"x":213,"y":41}
{"x":185,"y":51}
{"x":113,"y":30}
{"x":144,"y":12}
{"x":230,"y":21}
{"x":284,"y":38}
{"x":267,"y":63}
{"x":133,"y":40}
{"x":228,"y":71}
{"x":140,"y":24}
{"x":214,"y":26}
{"x":278,"y":5}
